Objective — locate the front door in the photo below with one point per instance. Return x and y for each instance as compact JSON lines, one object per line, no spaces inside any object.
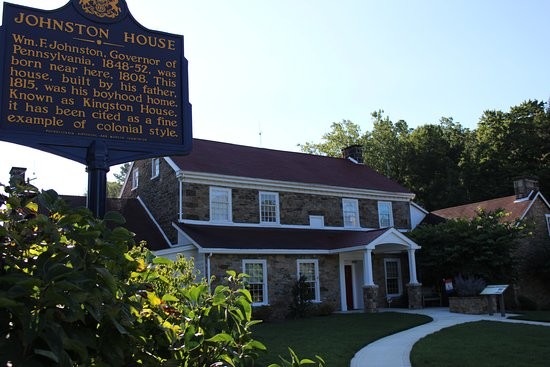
{"x":348,"y":273}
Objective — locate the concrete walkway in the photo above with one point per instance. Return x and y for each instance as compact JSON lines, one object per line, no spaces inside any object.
{"x":394,"y":350}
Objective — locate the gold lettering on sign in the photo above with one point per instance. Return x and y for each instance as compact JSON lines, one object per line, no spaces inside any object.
{"x":86,"y":84}
{"x":32,"y":20}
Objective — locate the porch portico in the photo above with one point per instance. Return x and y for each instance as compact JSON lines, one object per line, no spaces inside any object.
{"x":371,"y":275}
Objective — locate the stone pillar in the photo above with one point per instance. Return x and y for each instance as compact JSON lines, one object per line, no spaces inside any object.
{"x":370,"y":298}
{"x":415,"y":295}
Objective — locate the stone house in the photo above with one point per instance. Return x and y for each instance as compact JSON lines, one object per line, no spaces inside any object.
{"x":276,"y":215}
{"x":527,"y":204}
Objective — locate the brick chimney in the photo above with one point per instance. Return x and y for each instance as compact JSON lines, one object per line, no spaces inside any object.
{"x":523,"y":186}
{"x":17,"y":175}
{"x":354,"y":152}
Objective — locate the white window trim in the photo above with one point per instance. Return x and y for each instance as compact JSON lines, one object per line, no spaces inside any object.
{"x":155,"y":168}
{"x":264,"y":285}
{"x":381,"y":203}
{"x":277,"y":212}
{"x":399,"y":277}
{"x":135,"y":178}
{"x":317,"y":221}
{"x":229,"y":203}
{"x":316,"y":267}
{"x":355,"y":203}
{"x":548,"y":223}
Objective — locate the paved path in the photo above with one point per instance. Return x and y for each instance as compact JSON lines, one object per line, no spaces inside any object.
{"x":394,"y":350}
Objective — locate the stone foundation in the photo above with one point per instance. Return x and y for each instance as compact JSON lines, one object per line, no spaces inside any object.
{"x":415,"y":295}
{"x":471,"y":305}
{"x":370,"y":298}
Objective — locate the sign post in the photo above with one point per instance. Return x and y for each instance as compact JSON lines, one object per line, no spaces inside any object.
{"x":89,"y":83}
{"x":493,"y":291}
{"x":97,"y":167}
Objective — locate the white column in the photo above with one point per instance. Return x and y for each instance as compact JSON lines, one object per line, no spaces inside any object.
{"x":412,"y":267}
{"x":367,"y":267}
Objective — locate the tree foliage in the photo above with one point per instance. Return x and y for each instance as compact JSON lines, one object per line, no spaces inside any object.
{"x":114,"y":187}
{"x":445,"y":164}
{"x":76,"y":291}
{"x":385,"y":147}
{"x":342,"y":135}
{"x":122,"y":173}
{"x":483,"y":247}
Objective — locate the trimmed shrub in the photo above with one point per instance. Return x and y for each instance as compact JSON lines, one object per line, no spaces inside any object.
{"x":468,"y":286}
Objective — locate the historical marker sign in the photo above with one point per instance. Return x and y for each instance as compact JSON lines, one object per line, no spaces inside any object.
{"x":88,"y":74}
{"x":494,"y":289}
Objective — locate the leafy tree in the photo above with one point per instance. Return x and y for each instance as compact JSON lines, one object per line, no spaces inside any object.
{"x":63,"y":301}
{"x":295,"y":361}
{"x":342,"y":135}
{"x":75,"y":291}
{"x":123,"y":172}
{"x":433,"y":164}
{"x":386,"y":147}
{"x":301,"y":296}
{"x":482,"y":247}
{"x":114,"y":187}
{"x":511,"y":144}
{"x":446,"y":164}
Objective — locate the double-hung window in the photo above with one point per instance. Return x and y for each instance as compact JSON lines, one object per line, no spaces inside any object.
{"x":256,"y":282}
{"x":269,"y":207}
{"x":392,"y":268}
{"x":135,"y":178}
{"x":220,"y":204}
{"x":309,"y":269}
{"x":350,"y":208}
{"x":385,"y":214}
{"x":155,"y":167}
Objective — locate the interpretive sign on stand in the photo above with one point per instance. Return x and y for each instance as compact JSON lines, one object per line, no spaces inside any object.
{"x":89,"y":83}
{"x":493,"y":291}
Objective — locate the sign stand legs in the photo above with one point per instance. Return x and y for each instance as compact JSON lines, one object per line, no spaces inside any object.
{"x":97,"y":168}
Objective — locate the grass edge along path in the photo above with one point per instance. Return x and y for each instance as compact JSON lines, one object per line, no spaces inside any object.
{"x":484,"y":343}
{"x":336,"y":338}
{"x":541,"y":316}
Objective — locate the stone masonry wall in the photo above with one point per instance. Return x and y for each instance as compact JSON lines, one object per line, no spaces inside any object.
{"x":295,"y":208}
{"x":281,"y":276}
{"x":246,"y":205}
{"x":196,"y":201}
{"x":159,"y":194}
{"x":401,"y":214}
{"x":528,"y":285}
{"x":368,"y":213}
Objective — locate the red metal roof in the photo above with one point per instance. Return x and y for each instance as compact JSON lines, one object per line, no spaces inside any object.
{"x":509,"y":204}
{"x":262,"y":238}
{"x":244,"y":161}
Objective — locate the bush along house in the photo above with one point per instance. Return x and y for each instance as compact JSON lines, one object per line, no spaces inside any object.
{"x":278,"y":215}
{"x":528,"y":204}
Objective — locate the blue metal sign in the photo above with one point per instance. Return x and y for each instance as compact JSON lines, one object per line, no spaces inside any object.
{"x":88,"y":77}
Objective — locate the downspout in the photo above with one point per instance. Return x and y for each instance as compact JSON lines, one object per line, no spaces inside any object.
{"x":179,"y":175}
{"x":208,"y":270}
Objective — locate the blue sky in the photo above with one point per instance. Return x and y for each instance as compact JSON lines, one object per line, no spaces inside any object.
{"x":291,"y":68}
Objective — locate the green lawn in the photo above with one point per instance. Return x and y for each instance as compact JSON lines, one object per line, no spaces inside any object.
{"x":336,"y":338}
{"x":484,"y":343}
{"x":543,"y":316}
